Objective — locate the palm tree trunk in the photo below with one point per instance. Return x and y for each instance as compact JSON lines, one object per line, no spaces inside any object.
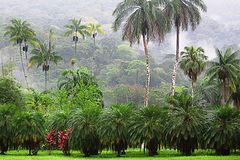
{"x":193,"y":88}
{"x":23,"y":68}
{"x":45,"y":80}
{"x":148,"y":74}
{"x":174,"y":76}
{"x":94,"y":41}
{"x":223,"y":93}
{"x":75,"y":47}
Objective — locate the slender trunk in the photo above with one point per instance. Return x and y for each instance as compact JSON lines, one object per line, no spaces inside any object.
{"x":174,"y":75}
{"x":75,"y":47}
{"x":94,"y":41}
{"x":193,"y":88}
{"x":148,"y":76}
{"x":23,"y":68}
{"x":25,"y":51}
{"x":223,"y":93}
{"x":93,"y":58}
{"x":45,"y":79}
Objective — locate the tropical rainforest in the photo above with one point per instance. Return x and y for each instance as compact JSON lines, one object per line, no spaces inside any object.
{"x":97,"y":76}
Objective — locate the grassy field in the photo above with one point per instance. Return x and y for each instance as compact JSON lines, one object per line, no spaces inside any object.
{"x":107,"y":155}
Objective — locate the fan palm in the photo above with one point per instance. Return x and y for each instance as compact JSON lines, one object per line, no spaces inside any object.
{"x":83,"y":124}
{"x":29,"y":130}
{"x":43,"y":54}
{"x":146,"y":126}
{"x":182,"y":15}
{"x":193,"y":62}
{"x":225,"y":69}
{"x":141,"y":19}
{"x":76,"y":28}
{"x":223,"y":128}
{"x":184,"y":124}
{"x":19,"y":31}
{"x":113,"y":127}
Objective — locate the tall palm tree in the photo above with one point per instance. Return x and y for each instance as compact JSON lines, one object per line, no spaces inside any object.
{"x":193,"y":62}
{"x":19,"y":31}
{"x":76,"y":28}
{"x":182,"y":15}
{"x":94,"y":30}
{"x":43,"y":54}
{"x":142,"y":20}
{"x":225,"y":69}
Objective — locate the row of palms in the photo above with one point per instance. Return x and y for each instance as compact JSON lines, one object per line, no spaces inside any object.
{"x":91,"y":129}
{"x":151,"y":20}
{"x":21,"y":33}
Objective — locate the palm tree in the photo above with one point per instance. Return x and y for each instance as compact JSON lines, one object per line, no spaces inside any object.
{"x":193,"y":62}
{"x":113,"y":127}
{"x":184,"y":124}
{"x":43,"y":54}
{"x":29,"y":130}
{"x":76,"y":28}
{"x":84,"y":136}
{"x":19,"y":31}
{"x":141,"y":19}
{"x":182,"y":14}
{"x":94,"y":30}
{"x":146,"y":127}
{"x":223,"y":129}
{"x":225,"y":69}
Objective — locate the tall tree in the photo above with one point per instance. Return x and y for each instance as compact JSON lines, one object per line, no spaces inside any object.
{"x":43,"y":54}
{"x":182,"y":15}
{"x":94,"y":30}
{"x":76,"y":28}
{"x":142,"y":20}
{"x":225,"y":69}
{"x":19,"y":31}
{"x":193,"y":63}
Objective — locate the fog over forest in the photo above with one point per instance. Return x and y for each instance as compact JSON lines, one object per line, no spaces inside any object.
{"x":218,"y":28}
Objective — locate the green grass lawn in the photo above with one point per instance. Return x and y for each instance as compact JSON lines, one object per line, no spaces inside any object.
{"x":106,"y":155}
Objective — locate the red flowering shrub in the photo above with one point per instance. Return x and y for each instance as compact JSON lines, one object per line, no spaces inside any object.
{"x":63,"y":138}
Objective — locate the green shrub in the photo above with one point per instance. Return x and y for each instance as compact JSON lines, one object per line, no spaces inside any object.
{"x":113,"y":127}
{"x":222,"y":130}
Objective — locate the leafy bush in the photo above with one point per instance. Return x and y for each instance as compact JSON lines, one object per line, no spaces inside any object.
{"x":10,"y":92}
{"x":113,"y":127}
{"x":222,"y":130}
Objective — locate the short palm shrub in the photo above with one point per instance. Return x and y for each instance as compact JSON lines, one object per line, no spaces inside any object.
{"x":7,"y":111}
{"x":29,"y":130}
{"x":184,"y":124}
{"x":146,"y":127}
{"x":113,"y":127}
{"x":222,"y":131}
{"x":83,"y":124}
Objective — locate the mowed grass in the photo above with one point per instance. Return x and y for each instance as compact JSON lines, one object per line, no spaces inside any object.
{"x":109,"y":155}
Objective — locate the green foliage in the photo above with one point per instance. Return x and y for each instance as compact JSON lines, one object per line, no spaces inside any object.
{"x":29,"y":130}
{"x":10,"y":91}
{"x":58,"y":121}
{"x":184,"y":124}
{"x":7,"y":111}
{"x":223,"y":128}
{"x":81,"y":87}
{"x":84,"y":136}
{"x":113,"y":127}
{"x":146,"y":126}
